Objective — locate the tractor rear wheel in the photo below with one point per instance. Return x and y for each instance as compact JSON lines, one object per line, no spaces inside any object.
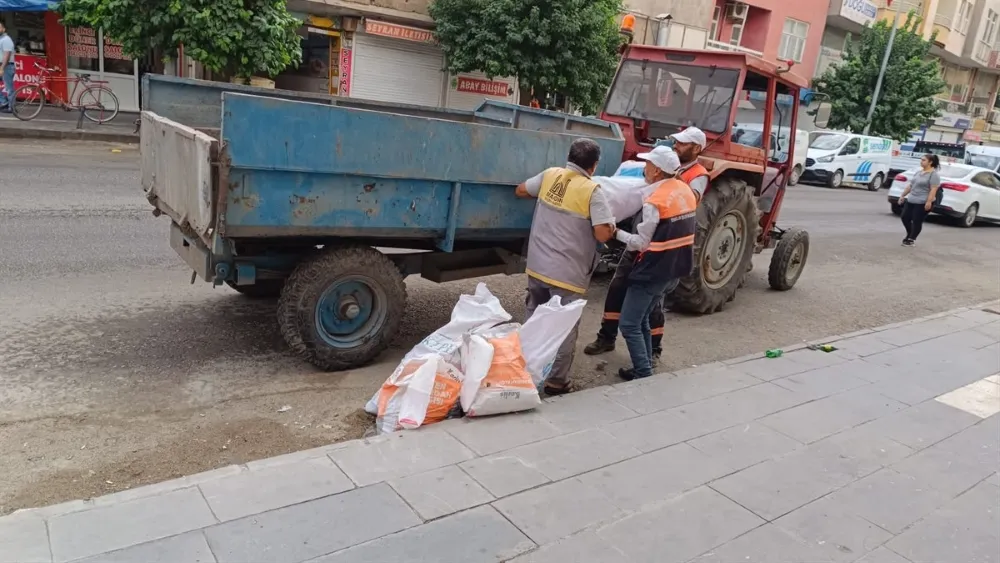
{"x":728,"y":225}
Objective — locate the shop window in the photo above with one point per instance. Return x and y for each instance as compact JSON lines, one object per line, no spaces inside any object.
{"x":27,"y":30}
{"x":114,"y":59}
{"x":81,"y":49}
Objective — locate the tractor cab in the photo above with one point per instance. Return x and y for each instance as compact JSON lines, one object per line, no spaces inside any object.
{"x":748,"y":109}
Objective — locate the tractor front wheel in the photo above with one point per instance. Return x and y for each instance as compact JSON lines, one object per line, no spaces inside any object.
{"x":788,"y":259}
{"x":728,"y":225}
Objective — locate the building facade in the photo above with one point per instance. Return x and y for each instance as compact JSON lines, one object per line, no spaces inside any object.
{"x":965,"y":41}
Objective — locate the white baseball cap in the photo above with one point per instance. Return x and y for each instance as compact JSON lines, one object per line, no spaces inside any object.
{"x":663,"y":158}
{"x":691,"y":135}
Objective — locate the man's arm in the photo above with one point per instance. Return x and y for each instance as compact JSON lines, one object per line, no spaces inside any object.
{"x":530,"y":187}
{"x":639,"y":241}
{"x":699,"y":185}
{"x":6,"y":58}
{"x":601,"y":216}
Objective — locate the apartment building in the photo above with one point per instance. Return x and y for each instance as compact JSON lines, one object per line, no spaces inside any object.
{"x":965,"y":42}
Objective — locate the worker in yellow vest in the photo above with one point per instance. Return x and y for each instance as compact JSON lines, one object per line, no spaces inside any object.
{"x":664,"y":243}
{"x":571,"y":216}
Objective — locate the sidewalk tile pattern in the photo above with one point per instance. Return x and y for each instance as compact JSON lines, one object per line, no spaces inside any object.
{"x":884,"y":451}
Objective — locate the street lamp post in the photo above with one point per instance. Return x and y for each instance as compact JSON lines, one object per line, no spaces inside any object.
{"x":881,"y":72}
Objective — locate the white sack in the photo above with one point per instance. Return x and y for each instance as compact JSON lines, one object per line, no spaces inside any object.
{"x":624,"y":194}
{"x":545,"y":331}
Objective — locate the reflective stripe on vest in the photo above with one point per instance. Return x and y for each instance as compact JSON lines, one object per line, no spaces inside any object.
{"x":562,"y":250}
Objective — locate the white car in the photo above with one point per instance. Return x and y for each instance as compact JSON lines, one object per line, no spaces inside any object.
{"x":967,"y":193}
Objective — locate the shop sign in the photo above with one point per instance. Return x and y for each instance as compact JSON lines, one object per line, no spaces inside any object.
{"x":858,"y":11}
{"x":345,"y":71}
{"x":25,"y":71}
{"x":113,"y":50}
{"x":81,"y":42}
{"x":483,"y":87}
{"x":953,"y":121}
{"x":395,"y":31}
{"x":973,"y":136}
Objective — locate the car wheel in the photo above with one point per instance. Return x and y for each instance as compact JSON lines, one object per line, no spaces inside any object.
{"x":876,"y":183}
{"x":837,"y":179}
{"x":793,"y":178}
{"x":969,"y":219}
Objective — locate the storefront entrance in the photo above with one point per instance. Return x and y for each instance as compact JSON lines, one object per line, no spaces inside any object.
{"x":89,"y":51}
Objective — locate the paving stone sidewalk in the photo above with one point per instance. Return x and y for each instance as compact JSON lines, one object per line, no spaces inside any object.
{"x":883,"y":451}
{"x":54,"y":123}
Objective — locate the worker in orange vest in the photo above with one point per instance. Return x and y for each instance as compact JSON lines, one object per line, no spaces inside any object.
{"x":688,"y":145}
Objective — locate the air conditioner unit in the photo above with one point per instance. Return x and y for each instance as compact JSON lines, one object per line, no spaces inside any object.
{"x":737,"y":11}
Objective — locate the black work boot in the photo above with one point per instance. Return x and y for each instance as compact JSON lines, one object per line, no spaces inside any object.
{"x":656,"y":358}
{"x":599,"y":346}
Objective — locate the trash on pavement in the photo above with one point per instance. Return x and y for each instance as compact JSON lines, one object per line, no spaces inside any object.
{"x":420,"y":391}
{"x":479,"y":361}
{"x":285,"y":408}
{"x":774,"y":353}
{"x":822,"y":347}
{"x":496,"y":376}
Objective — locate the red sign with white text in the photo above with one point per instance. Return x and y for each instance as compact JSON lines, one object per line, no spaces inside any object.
{"x":345,"y":72}
{"x":375,"y":27}
{"x":484,"y":87}
{"x":25,"y":71}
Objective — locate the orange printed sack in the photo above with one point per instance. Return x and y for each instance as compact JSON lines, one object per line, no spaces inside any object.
{"x":421,"y":391}
{"x":500,"y":382}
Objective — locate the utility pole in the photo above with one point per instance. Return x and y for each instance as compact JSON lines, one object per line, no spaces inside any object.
{"x":881,"y":72}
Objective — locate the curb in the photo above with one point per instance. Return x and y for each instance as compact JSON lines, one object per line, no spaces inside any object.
{"x":71,"y":135}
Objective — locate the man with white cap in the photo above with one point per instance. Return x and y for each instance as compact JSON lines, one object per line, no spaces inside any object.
{"x":688,"y":145}
{"x":664,"y":241}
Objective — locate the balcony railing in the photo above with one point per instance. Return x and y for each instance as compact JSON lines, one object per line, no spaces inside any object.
{"x":720,"y":46}
{"x":943,"y":21}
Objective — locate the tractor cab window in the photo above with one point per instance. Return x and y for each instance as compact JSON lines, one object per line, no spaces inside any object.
{"x":748,"y":127}
{"x":667,"y":97}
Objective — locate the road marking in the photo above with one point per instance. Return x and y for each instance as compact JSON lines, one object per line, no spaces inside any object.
{"x":981,"y":398}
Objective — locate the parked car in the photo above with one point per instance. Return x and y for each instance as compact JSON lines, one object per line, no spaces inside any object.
{"x":987,"y":157}
{"x":907,"y":155}
{"x":837,"y":158}
{"x":967,"y":193}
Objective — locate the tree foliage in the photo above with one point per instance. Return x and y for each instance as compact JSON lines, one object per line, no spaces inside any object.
{"x":566,"y":47}
{"x":240,"y":37}
{"x":911,"y":81}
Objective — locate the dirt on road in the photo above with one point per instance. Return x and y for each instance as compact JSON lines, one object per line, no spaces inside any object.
{"x":115,"y":372}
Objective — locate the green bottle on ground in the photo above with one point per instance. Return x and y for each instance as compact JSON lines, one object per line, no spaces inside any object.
{"x":774,"y":353}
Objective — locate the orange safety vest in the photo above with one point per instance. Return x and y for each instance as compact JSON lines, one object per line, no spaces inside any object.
{"x":671,"y":250}
{"x":696,"y":171}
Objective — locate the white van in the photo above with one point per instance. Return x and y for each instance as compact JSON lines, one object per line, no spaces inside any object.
{"x":836,"y":158}
{"x":986,"y":157}
{"x":779,"y":145}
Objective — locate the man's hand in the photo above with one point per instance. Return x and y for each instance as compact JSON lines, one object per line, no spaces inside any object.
{"x":604,"y":233}
{"x":522,"y":191}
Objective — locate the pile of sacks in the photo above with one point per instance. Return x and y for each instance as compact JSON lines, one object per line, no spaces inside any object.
{"x":479,"y":361}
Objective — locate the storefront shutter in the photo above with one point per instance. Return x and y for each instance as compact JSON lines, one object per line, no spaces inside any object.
{"x":394,"y":70}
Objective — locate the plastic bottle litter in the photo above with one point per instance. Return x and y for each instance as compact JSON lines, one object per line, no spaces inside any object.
{"x":774,"y":353}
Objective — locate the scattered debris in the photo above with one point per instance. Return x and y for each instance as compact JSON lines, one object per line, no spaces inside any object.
{"x":285,"y":408}
{"x":822,"y":347}
{"x":774,"y":353}
{"x":601,"y":365}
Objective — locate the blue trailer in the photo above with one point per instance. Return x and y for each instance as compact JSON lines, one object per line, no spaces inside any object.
{"x":331,"y":203}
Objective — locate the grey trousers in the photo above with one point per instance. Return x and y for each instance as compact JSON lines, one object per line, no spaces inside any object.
{"x":540,"y":293}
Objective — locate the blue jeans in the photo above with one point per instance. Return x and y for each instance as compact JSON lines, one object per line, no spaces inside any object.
{"x":8,"y":85}
{"x":640,"y":299}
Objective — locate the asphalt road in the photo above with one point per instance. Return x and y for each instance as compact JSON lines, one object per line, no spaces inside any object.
{"x":115,"y":371}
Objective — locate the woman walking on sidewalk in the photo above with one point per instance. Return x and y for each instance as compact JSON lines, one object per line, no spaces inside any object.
{"x":918,"y":197}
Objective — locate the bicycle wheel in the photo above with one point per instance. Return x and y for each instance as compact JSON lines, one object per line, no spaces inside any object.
{"x":28,"y":102}
{"x":99,"y":104}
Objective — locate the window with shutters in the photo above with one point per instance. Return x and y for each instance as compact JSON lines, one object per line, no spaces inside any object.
{"x":793,"y":40}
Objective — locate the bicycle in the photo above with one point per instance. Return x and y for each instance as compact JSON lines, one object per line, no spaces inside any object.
{"x":96,"y":100}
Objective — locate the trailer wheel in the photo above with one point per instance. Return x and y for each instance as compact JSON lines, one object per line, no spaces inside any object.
{"x":342,"y":307}
{"x":263,"y":289}
{"x":728,"y":224}
{"x":789,"y":259}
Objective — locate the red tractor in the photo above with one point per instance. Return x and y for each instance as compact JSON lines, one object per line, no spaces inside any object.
{"x":736,"y":99}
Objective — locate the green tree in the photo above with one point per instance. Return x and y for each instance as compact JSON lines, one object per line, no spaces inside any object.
{"x":566,"y":47}
{"x":241,"y":38}
{"x":912,"y":79}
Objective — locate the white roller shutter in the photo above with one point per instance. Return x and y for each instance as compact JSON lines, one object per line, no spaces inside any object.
{"x":394,"y":70}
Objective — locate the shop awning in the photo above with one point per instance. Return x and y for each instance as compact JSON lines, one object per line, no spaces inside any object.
{"x":27,"y":5}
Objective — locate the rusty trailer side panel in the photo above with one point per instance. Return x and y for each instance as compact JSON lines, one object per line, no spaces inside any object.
{"x":306,"y":169}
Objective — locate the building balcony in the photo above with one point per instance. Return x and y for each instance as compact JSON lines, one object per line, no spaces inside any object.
{"x":720,"y":46}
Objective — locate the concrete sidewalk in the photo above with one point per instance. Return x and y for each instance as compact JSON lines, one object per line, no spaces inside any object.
{"x":55,"y":123}
{"x":884,"y":451}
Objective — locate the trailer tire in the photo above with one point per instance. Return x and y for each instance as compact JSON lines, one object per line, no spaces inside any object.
{"x":789,"y":259}
{"x":342,"y":307}
{"x":729,"y":221}
{"x":262,"y":289}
